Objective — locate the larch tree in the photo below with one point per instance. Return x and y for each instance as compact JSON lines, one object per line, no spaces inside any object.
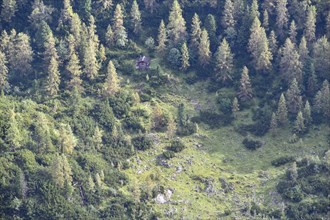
{"x":299,"y":125}
{"x":245,"y":89}
{"x":120,"y":34}
{"x":196,"y":32}
{"x":265,"y":20}
{"x":3,"y":72}
{"x":22,"y":56}
{"x":74,"y":69}
{"x":293,"y":98}
{"x":8,"y":10}
{"x":228,"y":20}
{"x":109,"y":36}
{"x":60,"y":171}
{"x":293,"y":32}
{"x":162,"y":38}
{"x":282,"y":17}
{"x":53,"y":78}
{"x":185,"y":57}
{"x":204,"y":52}
{"x":235,"y":107}
{"x":273,"y":127}
{"x":272,"y":42}
{"x":282,"y":111}
{"x":176,"y":25}
{"x":290,"y":64}
{"x":135,"y":15}
{"x":67,"y":140}
{"x":310,"y":24}
{"x":91,"y":65}
{"x":258,"y":47}
{"x":307,"y":114}
{"x":111,"y":84}
{"x":224,"y":62}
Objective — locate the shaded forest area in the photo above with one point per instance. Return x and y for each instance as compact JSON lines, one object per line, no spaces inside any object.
{"x":74,"y":110}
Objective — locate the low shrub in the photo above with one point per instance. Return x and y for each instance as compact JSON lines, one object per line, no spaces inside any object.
{"x":282,"y":160}
{"x":177,"y":145}
{"x":168,"y":154}
{"x":142,"y":142}
{"x":252,"y":144}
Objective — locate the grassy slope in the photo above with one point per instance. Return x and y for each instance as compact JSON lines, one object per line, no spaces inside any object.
{"x":221,"y":156}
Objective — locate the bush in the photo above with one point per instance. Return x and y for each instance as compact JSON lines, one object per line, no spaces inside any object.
{"x":252,"y":144}
{"x":177,"y":145}
{"x":142,"y":142}
{"x":168,"y":154}
{"x":134,"y":124}
{"x":174,"y":57}
{"x":282,"y":160}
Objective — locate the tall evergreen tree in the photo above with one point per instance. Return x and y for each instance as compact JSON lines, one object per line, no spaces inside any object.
{"x":228,"y":20}
{"x":272,"y":42}
{"x":254,"y":12}
{"x":281,"y":17}
{"x":109,"y":36}
{"x":258,"y":47}
{"x":3,"y":72}
{"x":8,"y":10}
{"x":211,"y":28}
{"x":293,"y":32}
{"x":290,"y":64}
{"x":321,"y":57}
{"x":162,"y":38}
{"x":273,"y":124}
{"x":299,"y":125}
{"x":67,"y":140}
{"x":61,"y":171}
{"x":265,"y":21}
{"x":120,"y":34}
{"x":196,"y":32}
{"x":282,"y":112}
{"x":91,"y":65}
{"x":185,"y":57}
{"x":293,"y":98}
{"x":224,"y":62}
{"x":151,"y":5}
{"x":13,"y":134}
{"x":42,"y":134}
{"x":53,"y":79}
{"x":303,"y":51}
{"x":136,"y":17}
{"x":204,"y":53}
{"x":74,"y":69}
{"x":235,"y":107}
{"x":310,"y":25}
{"x":307,"y":114}
{"x":177,"y":25}
{"x":245,"y":88}
{"x":111,"y":85}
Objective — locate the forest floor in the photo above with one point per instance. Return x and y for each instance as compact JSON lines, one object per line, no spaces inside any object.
{"x":215,"y":176}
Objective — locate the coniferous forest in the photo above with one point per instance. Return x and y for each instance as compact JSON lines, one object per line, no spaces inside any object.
{"x":173,"y":109}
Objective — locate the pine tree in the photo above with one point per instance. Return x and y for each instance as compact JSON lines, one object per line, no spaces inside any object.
{"x":293,"y":32}
{"x":265,"y":21}
{"x":3,"y":72}
{"x":74,"y":69}
{"x":76,"y":28}
{"x":67,"y":140}
{"x":325,"y":101}
{"x":293,"y":97}
{"x":328,"y":25}
{"x":224,"y":62}
{"x":136,"y":17}
{"x":321,"y":56}
{"x":91,"y":66}
{"x":290,"y":64}
{"x":109,"y":36}
{"x":311,"y":81}
{"x":245,"y":88}
{"x":317,"y":107}
{"x":307,"y":114}
{"x":111,"y":84}
{"x":211,"y":28}
{"x":42,"y":134}
{"x":310,"y":24}
{"x":299,"y":125}
{"x":282,"y":112}
{"x":185,"y":57}
{"x":272,"y":42}
{"x":254,"y":13}
{"x":61,"y":171}
{"x":40,"y":12}
{"x":196,"y":32}
{"x":162,"y":38}
{"x":120,"y":34}
{"x":53,"y":79}
{"x":281,"y":16}
{"x":228,"y":20}
{"x":150,"y":5}
{"x":204,"y":53}
{"x":273,"y":124}
{"x":235,"y":107}
{"x":258,"y":47}
{"x":8,"y":10}
{"x":177,"y":25}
